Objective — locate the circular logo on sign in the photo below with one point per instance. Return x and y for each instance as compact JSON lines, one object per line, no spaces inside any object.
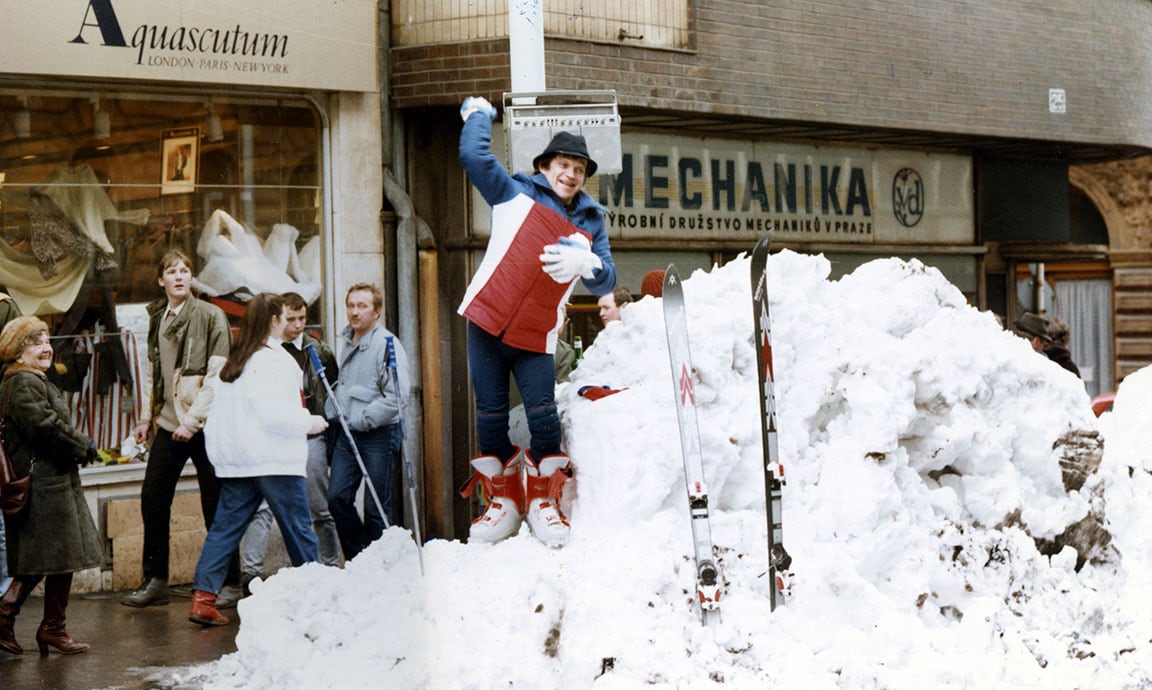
{"x":908,"y":197}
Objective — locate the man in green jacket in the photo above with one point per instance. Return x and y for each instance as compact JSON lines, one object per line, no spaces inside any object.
{"x":188,"y":342}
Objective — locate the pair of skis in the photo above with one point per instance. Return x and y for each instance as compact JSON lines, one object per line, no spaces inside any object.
{"x":708,"y":588}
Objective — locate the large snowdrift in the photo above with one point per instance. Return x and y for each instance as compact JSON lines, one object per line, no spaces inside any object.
{"x":930,"y":456}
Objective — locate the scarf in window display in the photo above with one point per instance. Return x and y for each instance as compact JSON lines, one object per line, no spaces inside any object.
{"x":79,"y":194}
{"x":54,"y":236}
{"x":66,"y":214}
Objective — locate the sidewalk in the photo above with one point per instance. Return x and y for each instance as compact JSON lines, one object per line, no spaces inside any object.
{"x":132,"y":649}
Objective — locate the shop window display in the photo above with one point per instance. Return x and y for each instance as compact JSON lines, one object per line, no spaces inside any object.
{"x":96,"y":187}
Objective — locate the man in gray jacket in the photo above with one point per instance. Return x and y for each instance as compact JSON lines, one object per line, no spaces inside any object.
{"x":371,"y":406}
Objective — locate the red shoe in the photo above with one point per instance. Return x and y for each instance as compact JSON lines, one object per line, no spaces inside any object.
{"x":204,"y":611}
{"x":504,"y":490}
{"x":544,"y":487}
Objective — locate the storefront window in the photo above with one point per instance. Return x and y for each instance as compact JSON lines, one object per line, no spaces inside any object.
{"x":134,"y":175}
{"x":96,"y":187}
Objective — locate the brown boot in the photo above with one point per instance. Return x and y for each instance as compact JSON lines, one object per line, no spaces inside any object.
{"x":204,"y":611}
{"x":52,"y":632}
{"x":10,"y":604}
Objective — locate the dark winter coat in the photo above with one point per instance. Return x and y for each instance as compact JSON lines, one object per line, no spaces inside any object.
{"x":1063,"y":357}
{"x":56,"y":533}
{"x":315,"y":394}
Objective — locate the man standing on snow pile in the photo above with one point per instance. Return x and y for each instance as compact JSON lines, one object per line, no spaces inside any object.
{"x":546,"y":232}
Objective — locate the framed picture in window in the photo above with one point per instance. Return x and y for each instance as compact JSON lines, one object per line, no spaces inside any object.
{"x":179,"y":160}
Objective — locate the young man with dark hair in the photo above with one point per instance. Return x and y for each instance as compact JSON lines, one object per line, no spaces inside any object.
{"x":188,"y":342}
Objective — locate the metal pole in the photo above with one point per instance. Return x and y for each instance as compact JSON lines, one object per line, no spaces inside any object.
{"x":526,"y":44}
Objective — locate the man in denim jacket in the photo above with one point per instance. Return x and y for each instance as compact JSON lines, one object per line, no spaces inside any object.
{"x":371,"y":406}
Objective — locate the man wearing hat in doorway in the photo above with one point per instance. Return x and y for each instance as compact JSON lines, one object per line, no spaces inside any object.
{"x":546,"y":233}
{"x":1039,"y":331}
{"x":1034,"y":328}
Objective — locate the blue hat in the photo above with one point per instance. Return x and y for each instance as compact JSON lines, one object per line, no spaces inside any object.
{"x":567,"y":144}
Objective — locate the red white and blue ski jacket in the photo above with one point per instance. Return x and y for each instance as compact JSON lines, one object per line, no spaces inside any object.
{"x":511,"y":296}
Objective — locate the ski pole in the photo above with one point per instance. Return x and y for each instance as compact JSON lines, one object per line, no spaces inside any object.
{"x":390,"y":351}
{"x":319,"y":368}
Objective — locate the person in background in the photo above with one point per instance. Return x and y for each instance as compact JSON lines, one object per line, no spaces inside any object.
{"x":257,"y":438}
{"x":1033,"y":328}
{"x":565,"y":356}
{"x":1057,"y":349}
{"x":8,"y":311}
{"x":613,"y":303}
{"x":188,"y":342}
{"x":55,"y":536}
{"x":653,"y":283}
{"x":1042,"y":334}
{"x":546,"y":233}
{"x":372,"y":407}
{"x":255,"y":542}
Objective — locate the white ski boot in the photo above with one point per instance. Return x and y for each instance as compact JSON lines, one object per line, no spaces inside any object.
{"x":504,"y":490}
{"x":544,"y":485}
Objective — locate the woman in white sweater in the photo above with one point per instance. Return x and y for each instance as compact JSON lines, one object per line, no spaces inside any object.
{"x":256,"y":437}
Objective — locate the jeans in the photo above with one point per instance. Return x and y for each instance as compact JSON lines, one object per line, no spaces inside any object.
{"x":255,"y":542}
{"x":380,"y":449}
{"x":240,"y":497}
{"x":491,"y":361}
{"x":166,"y":461}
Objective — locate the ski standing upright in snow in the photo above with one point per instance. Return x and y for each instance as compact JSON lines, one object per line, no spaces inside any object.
{"x":676,"y":327}
{"x":778,"y":559}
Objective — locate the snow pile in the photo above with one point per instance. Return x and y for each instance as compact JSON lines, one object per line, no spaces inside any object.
{"x":924,"y":447}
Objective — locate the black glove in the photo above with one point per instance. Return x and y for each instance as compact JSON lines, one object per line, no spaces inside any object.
{"x":89,"y":455}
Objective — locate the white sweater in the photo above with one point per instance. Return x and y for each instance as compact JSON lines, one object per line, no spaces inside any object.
{"x":258,"y":425}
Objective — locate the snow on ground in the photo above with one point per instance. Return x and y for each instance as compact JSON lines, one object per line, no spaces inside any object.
{"x":923,"y":446}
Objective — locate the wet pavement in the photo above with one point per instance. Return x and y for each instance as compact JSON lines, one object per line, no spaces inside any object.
{"x":133,"y":649}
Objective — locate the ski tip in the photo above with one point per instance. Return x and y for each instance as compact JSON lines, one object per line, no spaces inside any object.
{"x":764,"y":241}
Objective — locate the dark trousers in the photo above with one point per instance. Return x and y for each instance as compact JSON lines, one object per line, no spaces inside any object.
{"x":166,"y":460}
{"x":380,"y":450}
{"x":490,"y":362}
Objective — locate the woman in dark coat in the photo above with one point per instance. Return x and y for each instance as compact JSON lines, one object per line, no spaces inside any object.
{"x":55,"y":536}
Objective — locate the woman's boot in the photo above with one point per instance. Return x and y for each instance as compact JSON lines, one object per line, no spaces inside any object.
{"x":52,"y":632}
{"x":10,"y":604}
{"x":203,"y":610}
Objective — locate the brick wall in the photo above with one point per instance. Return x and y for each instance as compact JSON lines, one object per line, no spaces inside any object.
{"x":953,"y":67}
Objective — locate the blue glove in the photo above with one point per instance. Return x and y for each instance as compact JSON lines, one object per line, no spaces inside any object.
{"x":570,"y":257}
{"x":477,"y":104}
